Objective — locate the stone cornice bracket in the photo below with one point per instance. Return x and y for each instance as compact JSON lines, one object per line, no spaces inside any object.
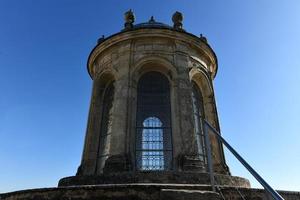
{"x":129,"y":19}
{"x":177,"y":19}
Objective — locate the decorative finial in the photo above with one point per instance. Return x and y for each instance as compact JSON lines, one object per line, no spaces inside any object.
{"x":129,"y":19}
{"x":151,"y":20}
{"x":177,"y":20}
{"x":203,"y":38}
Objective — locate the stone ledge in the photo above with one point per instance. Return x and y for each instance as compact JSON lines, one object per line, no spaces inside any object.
{"x":154,"y":177}
{"x":257,"y":194}
{"x":141,"y":192}
{"x":180,"y":194}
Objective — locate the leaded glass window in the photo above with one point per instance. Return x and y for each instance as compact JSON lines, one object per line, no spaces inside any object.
{"x":198,"y":112}
{"x":152,"y":144}
{"x":153,"y":126}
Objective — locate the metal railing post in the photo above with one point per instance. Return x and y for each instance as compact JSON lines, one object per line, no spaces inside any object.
{"x":267,"y":187}
{"x":209,"y":159}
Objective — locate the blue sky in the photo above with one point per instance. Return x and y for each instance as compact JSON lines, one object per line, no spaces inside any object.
{"x":45,"y":87}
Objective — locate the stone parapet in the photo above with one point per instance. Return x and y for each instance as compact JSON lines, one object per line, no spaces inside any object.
{"x":142,"y":192}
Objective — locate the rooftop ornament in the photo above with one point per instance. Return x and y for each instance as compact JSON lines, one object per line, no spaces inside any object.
{"x":101,"y":39}
{"x":177,"y":20}
{"x":129,"y":19}
{"x":203,"y":38}
{"x":152,"y":20}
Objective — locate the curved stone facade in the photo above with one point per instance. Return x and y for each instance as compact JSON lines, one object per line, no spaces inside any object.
{"x":155,"y":177}
{"x":184,"y":65}
{"x":122,"y":59}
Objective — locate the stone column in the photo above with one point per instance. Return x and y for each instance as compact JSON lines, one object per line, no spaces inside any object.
{"x":89,"y":158}
{"x":189,"y":160}
{"x":220,"y":165}
{"x":118,"y":160}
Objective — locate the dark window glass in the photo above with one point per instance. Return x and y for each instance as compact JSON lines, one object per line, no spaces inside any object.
{"x":153,"y":130}
{"x":198,"y":112}
{"x":106,"y":120}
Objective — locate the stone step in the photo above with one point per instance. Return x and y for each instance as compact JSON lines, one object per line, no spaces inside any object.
{"x":182,"y":194}
{"x":145,"y":191}
{"x":234,"y":193}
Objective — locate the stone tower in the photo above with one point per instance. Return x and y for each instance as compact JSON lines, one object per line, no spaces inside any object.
{"x":147,"y":136}
{"x":152,"y":87}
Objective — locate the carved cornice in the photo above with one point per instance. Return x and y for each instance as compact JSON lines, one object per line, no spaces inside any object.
{"x":190,"y":40}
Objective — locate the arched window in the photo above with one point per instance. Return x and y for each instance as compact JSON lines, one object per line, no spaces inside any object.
{"x":152,"y":144}
{"x":106,"y":120}
{"x":153,"y":124}
{"x":198,"y":112}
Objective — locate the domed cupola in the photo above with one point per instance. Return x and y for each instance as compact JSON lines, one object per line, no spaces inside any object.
{"x":152,"y":89}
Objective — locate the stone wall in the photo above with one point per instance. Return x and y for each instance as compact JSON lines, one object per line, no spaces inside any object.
{"x":142,"y":192}
{"x":155,"y":177}
{"x":255,"y":194}
{"x":124,"y":58}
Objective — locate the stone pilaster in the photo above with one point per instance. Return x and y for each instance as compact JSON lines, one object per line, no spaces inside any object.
{"x":89,"y":157}
{"x":187,"y":159}
{"x":119,"y":159}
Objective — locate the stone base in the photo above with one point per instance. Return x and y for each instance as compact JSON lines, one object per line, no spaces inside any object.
{"x":150,"y":191}
{"x":117,"y":192}
{"x":192,"y":163}
{"x":117,"y":163}
{"x":155,"y":177}
{"x":253,"y":193}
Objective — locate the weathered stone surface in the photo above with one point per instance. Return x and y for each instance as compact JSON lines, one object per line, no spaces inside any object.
{"x":155,"y":177}
{"x":255,"y":194}
{"x":184,"y":194}
{"x":142,"y":192}
{"x":192,"y":163}
{"x":117,"y":163}
{"x":124,"y":58}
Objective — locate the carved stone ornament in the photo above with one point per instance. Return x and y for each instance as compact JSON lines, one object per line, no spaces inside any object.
{"x":100,"y":40}
{"x":177,"y":20}
{"x":129,"y":19}
{"x":203,"y":38}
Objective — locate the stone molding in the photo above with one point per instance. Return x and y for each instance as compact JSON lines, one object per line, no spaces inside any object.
{"x":143,"y":192}
{"x":162,"y":177}
{"x":164,"y":34}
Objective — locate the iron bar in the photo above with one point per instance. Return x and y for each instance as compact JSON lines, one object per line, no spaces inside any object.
{"x":267,"y":187}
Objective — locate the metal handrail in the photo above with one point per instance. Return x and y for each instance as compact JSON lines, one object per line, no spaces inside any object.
{"x":267,"y":187}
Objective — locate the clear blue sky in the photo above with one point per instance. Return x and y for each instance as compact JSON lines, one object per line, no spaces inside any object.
{"x":45,"y":87}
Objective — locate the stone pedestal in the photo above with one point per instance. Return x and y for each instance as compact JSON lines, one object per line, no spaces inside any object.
{"x":156,"y":177}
